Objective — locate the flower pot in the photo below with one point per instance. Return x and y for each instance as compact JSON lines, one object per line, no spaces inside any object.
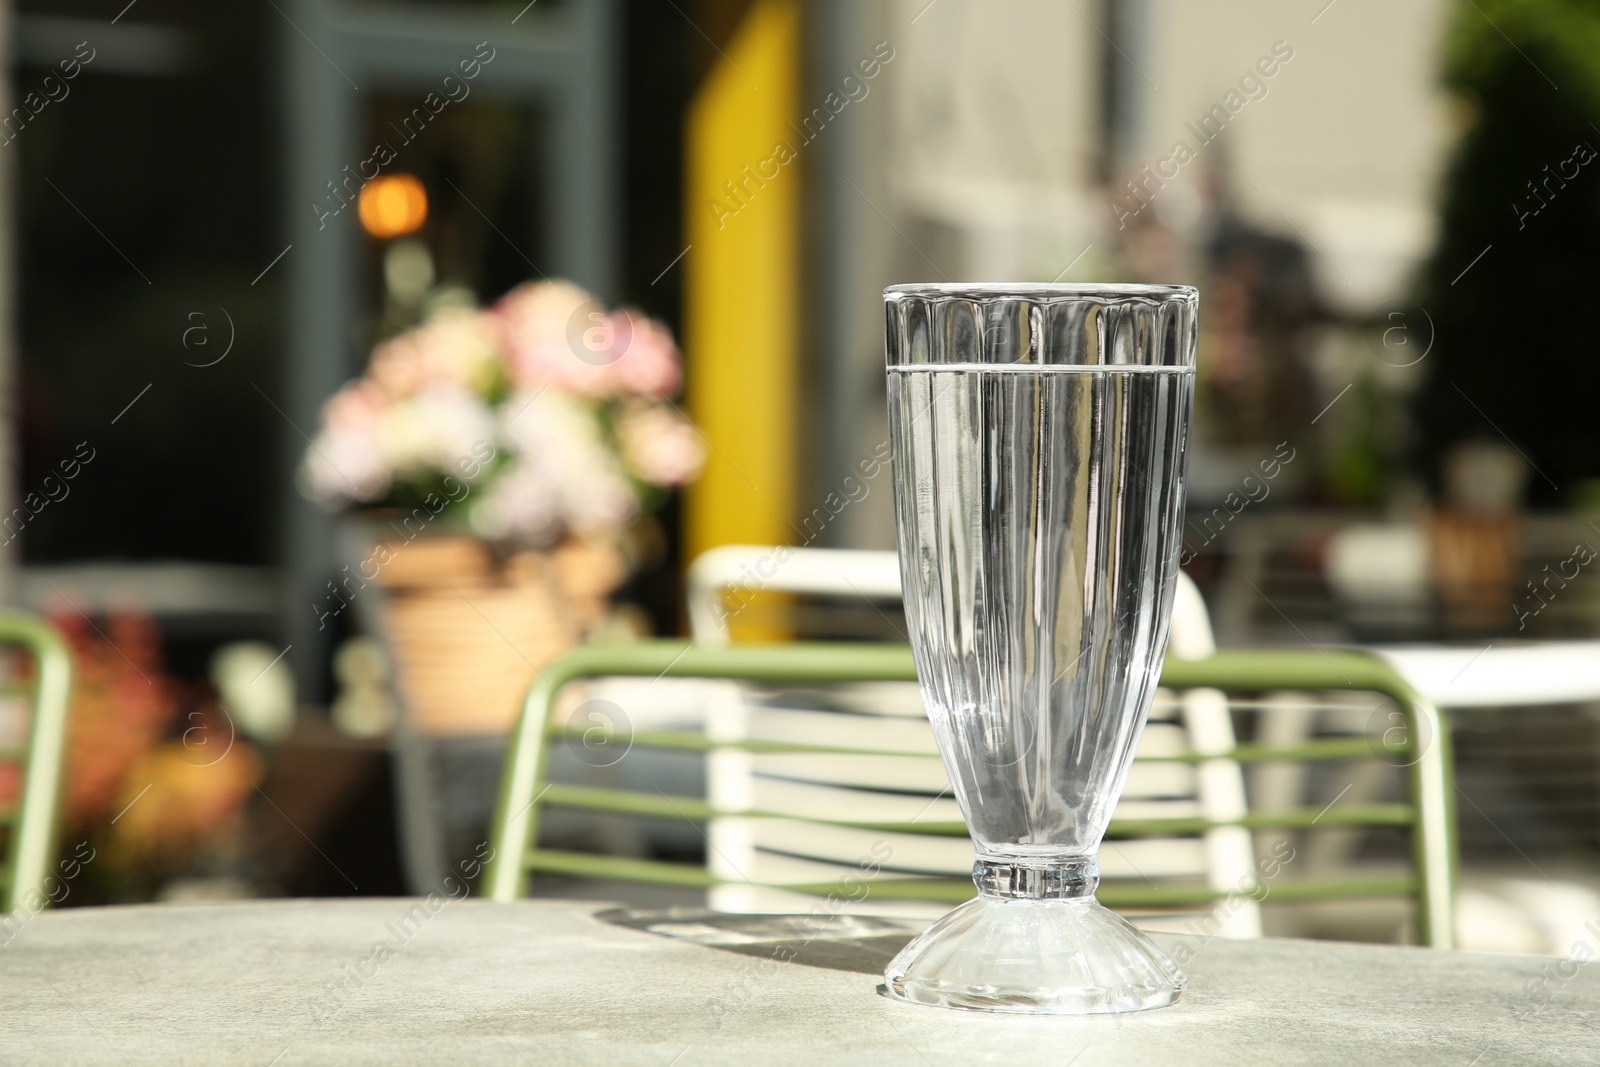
{"x":469,"y":628}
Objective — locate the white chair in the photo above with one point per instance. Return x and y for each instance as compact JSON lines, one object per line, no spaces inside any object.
{"x":908,"y":783}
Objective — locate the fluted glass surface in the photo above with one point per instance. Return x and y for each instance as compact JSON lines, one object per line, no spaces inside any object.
{"x":1039,"y":451}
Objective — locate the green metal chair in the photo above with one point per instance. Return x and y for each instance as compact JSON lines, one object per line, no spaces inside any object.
{"x":32,"y":821}
{"x":1421,"y":745}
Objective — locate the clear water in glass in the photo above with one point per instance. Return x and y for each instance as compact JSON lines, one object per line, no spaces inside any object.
{"x":1039,"y":455}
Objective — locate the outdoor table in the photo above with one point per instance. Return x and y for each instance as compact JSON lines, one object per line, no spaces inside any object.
{"x":553,"y":982}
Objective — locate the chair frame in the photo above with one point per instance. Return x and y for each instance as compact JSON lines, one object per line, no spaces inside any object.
{"x":33,"y":822}
{"x":1425,"y":749}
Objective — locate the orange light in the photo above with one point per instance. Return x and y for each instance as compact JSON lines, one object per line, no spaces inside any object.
{"x":393,"y":205}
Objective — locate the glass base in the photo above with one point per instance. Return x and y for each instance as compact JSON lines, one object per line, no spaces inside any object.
{"x":1033,"y":956}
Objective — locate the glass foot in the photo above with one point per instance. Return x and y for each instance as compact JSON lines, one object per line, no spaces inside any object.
{"x":1038,"y":957}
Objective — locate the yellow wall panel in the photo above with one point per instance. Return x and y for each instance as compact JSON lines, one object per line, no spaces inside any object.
{"x":742,"y":277}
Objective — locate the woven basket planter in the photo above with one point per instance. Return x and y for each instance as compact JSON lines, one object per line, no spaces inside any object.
{"x":469,"y":628}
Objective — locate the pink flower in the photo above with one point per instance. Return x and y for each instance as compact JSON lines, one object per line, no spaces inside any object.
{"x":659,"y":445}
{"x":582,"y":428}
{"x":458,"y":347}
{"x":537,"y":318}
{"x":650,"y":365}
{"x":559,"y":335}
{"x":356,"y":409}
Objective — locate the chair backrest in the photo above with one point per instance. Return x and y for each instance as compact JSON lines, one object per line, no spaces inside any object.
{"x":904,"y":849}
{"x":741,"y":569}
{"x":858,"y":573}
{"x":888,"y":717}
{"x":32,"y":818}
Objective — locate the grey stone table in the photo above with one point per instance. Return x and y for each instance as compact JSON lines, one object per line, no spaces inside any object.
{"x":561,"y":982}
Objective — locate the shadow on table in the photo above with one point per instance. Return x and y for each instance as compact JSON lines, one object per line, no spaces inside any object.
{"x":837,"y":942}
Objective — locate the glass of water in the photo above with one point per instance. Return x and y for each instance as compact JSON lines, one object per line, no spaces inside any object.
{"x":1040,"y":442}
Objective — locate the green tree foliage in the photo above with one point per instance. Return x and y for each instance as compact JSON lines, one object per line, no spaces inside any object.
{"x":1516,"y":335}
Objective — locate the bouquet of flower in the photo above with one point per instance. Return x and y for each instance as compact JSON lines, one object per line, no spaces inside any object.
{"x":543,"y":417}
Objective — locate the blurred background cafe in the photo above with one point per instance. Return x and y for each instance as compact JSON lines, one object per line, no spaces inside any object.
{"x":362,"y":359}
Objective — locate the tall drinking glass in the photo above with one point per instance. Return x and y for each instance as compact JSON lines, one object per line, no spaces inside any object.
{"x":1040,"y":436}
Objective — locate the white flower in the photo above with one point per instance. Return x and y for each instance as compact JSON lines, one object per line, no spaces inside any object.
{"x":522,"y":503}
{"x":434,"y":430}
{"x":345,"y":462}
{"x":344,"y":466}
{"x":564,"y":477}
